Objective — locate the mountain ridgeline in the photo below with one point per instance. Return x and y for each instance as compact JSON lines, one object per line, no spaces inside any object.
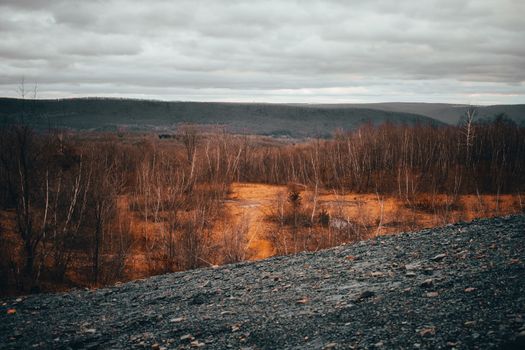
{"x":288,"y":120}
{"x":144,"y":115}
{"x":444,"y":112}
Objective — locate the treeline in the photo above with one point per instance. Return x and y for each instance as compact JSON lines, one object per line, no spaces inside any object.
{"x":483,"y":157}
{"x":66,"y":202}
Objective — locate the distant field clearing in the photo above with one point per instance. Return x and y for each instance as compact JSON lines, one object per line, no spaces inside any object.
{"x":380,"y":214}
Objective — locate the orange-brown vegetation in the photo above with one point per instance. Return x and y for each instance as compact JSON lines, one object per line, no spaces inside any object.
{"x":364,"y":215}
{"x":92,"y":209}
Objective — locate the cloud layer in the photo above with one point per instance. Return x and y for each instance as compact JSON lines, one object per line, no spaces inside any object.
{"x":274,"y":51}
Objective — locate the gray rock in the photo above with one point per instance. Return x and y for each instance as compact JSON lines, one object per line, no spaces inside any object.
{"x":253,"y":305}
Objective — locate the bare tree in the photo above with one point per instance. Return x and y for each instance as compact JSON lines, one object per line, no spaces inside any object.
{"x":107,"y":182}
{"x":468,"y":130}
{"x":235,"y":241}
{"x":189,"y":137}
{"x":27,"y":182}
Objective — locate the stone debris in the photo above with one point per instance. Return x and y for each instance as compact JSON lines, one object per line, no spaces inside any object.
{"x":365,"y":295}
{"x":439,"y":257}
{"x":197,"y":344}
{"x":429,"y":282}
{"x":413,"y":266}
{"x":427,"y":332}
{"x":438,"y":288}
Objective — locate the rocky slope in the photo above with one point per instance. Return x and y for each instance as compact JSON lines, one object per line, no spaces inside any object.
{"x":459,"y":286}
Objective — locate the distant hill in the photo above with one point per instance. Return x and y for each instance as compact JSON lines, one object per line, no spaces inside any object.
{"x":146,"y":115}
{"x":444,"y":112}
{"x":292,"y":120}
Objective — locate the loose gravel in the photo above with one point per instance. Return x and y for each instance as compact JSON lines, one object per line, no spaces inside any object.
{"x":460,"y":286}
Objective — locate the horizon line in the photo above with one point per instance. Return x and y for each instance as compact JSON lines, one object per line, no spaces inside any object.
{"x":94,"y":97}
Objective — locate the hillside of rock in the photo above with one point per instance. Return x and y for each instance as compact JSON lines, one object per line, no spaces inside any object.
{"x":460,"y":286}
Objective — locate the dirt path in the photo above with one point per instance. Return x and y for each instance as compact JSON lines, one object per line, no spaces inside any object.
{"x":252,"y":202}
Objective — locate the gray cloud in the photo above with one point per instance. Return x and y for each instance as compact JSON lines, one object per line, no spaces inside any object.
{"x":296,"y":51}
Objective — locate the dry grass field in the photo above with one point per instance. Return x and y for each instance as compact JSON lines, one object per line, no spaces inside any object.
{"x":250,"y":206}
{"x":381,"y":215}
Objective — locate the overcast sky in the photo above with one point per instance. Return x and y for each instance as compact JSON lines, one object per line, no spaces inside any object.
{"x":274,"y":51}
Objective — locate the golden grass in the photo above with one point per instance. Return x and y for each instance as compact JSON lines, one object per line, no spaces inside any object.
{"x":381,"y":214}
{"x":252,"y":202}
